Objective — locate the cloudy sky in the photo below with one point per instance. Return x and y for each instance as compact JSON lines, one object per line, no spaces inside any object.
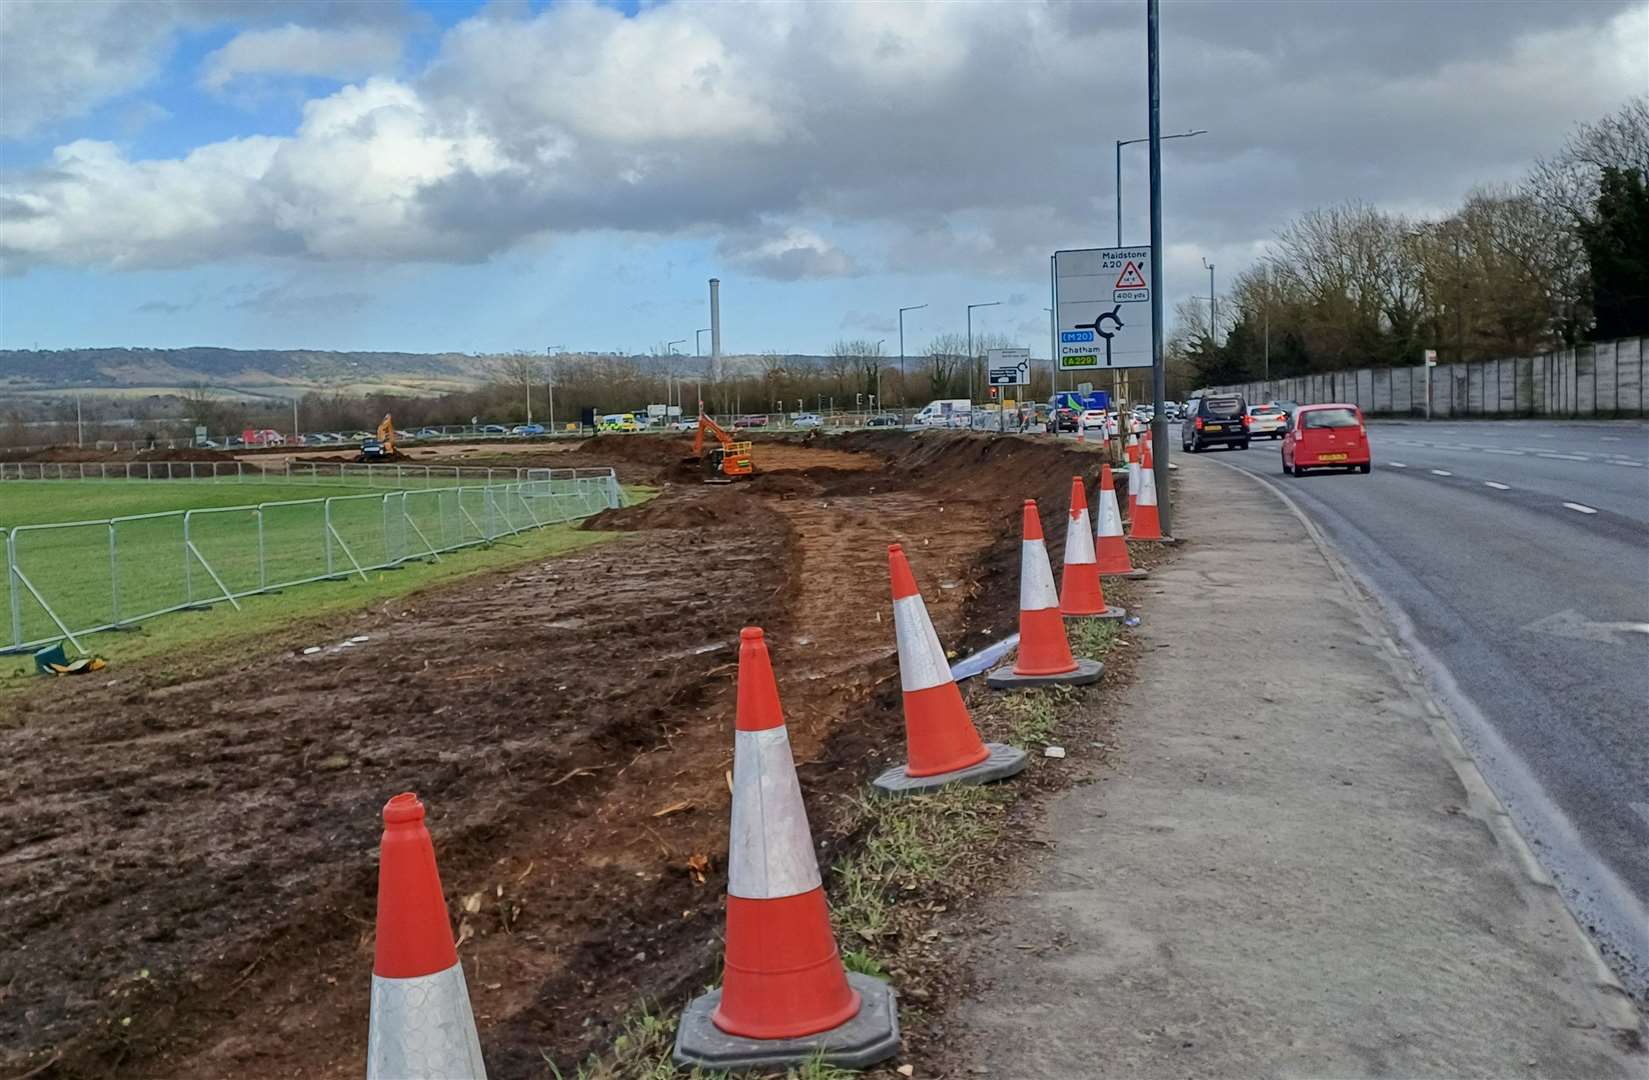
{"x":480,"y":177}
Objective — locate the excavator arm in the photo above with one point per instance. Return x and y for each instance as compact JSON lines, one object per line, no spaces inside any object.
{"x":386,"y":434}
{"x":728,"y":460}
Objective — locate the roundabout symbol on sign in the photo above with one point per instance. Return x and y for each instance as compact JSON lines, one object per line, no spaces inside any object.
{"x":1098,"y":327}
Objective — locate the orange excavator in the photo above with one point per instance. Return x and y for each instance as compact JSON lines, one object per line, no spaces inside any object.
{"x":726,"y":462}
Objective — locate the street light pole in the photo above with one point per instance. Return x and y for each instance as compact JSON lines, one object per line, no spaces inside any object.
{"x":549,"y":379}
{"x":879,"y":374}
{"x":1129,"y":142}
{"x":914,"y":307}
{"x":1159,"y":380}
{"x":1211,"y":323}
{"x":971,"y":364}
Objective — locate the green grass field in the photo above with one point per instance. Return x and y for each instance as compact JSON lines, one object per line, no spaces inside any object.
{"x":149,"y":567}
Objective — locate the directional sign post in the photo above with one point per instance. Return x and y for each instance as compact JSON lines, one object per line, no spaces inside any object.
{"x":1102,"y":304}
{"x":1008,"y":367}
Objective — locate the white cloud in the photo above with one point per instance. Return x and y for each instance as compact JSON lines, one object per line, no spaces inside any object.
{"x":975,"y":138}
{"x":792,"y":254}
{"x":342,"y":53}
{"x":61,"y":59}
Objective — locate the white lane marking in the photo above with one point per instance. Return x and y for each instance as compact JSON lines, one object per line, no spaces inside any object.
{"x":1512,"y":453}
{"x":1610,"y":438}
{"x":1565,"y":457}
{"x":1580,"y":508}
{"x":1497,"y":487}
{"x":1628,"y":464}
{"x":1396,"y":465}
{"x":1441,"y":472}
{"x":1545,"y":436}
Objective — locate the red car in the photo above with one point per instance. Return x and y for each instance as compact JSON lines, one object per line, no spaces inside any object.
{"x":750,"y":421}
{"x":1327,"y":437}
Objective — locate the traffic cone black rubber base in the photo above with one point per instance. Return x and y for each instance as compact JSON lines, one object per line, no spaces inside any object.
{"x":1003,"y":762}
{"x":1154,"y":540}
{"x":1136,"y":574}
{"x":1087,"y":671}
{"x":1111,"y":613}
{"x":871,"y":1036}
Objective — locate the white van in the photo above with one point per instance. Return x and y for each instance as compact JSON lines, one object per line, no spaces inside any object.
{"x":946,"y":412}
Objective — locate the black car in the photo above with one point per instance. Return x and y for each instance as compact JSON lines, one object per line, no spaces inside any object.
{"x":1061,"y":419}
{"x":883,"y":420}
{"x":1215,"y":420}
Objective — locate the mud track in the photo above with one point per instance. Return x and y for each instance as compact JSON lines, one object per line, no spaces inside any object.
{"x":187,"y":872}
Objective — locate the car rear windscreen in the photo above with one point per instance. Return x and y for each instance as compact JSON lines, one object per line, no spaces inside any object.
{"x":1223,"y":407}
{"x":1329,"y":418}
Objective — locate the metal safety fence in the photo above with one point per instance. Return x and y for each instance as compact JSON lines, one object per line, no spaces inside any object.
{"x":67,"y":579}
{"x":289,"y":472}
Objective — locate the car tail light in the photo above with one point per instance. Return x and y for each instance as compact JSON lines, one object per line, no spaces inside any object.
{"x":1247,"y":420}
{"x":1198,"y":424}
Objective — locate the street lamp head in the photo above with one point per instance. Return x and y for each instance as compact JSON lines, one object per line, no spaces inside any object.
{"x":1206,"y":265}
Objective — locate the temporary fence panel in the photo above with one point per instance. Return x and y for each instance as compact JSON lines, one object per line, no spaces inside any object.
{"x":72,"y":578}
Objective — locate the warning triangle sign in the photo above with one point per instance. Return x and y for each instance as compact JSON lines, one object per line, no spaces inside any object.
{"x":1131,"y":278}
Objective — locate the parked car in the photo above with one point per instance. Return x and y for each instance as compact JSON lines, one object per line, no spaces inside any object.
{"x":883,"y":420}
{"x":1327,"y":436}
{"x":428,"y":433}
{"x":806,"y":420}
{"x":495,"y":429}
{"x":1218,"y":420}
{"x":751,"y":420}
{"x":527,"y":430}
{"x":1267,"y":420}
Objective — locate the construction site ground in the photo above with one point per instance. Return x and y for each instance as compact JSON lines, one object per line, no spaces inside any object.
{"x":187,"y":862}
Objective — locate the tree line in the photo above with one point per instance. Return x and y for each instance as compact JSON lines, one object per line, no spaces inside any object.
{"x":1555,"y":260}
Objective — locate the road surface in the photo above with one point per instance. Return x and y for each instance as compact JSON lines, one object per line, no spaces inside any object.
{"x":1513,"y":558}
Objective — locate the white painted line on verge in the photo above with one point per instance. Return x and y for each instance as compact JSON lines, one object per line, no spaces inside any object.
{"x":1565,"y":457}
{"x":1579,"y":508}
{"x":1512,"y":453}
{"x":1441,"y":472}
{"x":1397,"y":464}
{"x":1628,"y":464}
{"x":1497,"y":487}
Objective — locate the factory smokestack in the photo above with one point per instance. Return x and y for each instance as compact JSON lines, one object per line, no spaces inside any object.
{"x":715,"y":331}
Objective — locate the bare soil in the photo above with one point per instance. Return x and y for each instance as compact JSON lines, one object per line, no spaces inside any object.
{"x":187,"y":871}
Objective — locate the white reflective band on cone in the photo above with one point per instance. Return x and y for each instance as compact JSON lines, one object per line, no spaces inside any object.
{"x":1148,"y":487}
{"x":922,"y":663}
{"x":1036,"y":578}
{"x":1110,"y":519}
{"x":423,"y":1028}
{"x":770,"y":849}
{"x":1079,"y":542}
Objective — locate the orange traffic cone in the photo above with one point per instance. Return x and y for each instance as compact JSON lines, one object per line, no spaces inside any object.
{"x":1133,"y":474}
{"x":942,"y":744}
{"x":1080,"y":592}
{"x":1110,"y":549}
{"x":421,"y":1023}
{"x":785,"y":997}
{"x":1146,"y":525}
{"x":1044,"y":652}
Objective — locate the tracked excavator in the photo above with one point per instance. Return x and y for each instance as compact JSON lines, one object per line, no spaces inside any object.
{"x":382,"y":447}
{"x":728,"y":460}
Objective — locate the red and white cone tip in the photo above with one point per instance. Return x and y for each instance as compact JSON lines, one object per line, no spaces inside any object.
{"x":421,"y":1023}
{"x":1031,"y":521}
{"x":1079,"y":497}
{"x":1043,"y":647}
{"x":1080,"y":591}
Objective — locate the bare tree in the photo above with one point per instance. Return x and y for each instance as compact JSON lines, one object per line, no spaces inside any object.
{"x":942,"y":359}
{"x":522,"y":370}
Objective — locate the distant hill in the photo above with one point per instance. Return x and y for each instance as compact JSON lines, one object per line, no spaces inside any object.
{"x":250,"y":372}
{"x":282,"y":373}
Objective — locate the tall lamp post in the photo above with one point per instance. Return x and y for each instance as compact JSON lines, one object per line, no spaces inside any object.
{"x":698,"y":350}
{"x":879,"y":375}
{"x":549,"y":379}
{"x":971,"y":364}
{"x":914,"y":307}
{"x":670,"y":350}
{"x":1208,"y":266}
{"x":1129,"y":142}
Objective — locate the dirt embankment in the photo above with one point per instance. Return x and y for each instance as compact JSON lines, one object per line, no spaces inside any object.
{"x":187,"y":871}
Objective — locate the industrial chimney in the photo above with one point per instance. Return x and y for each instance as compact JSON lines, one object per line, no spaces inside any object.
{"x":715,"y":331}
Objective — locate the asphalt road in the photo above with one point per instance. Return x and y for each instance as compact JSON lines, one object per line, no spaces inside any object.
{"x":1513,"y":559}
